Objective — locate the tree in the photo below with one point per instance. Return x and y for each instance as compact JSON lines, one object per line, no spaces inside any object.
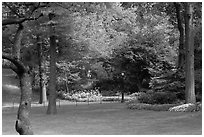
{"x":23,"y":126}
{"x":52,"y":83}
{"x":39,"y":51}
{"x":14,"y":16}
{"x":181,"y":56}
{"x":189,"y":42}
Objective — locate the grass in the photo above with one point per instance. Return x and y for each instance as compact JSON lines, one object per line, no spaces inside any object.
{"x":105,"y":119}
{"x":98,"y":119}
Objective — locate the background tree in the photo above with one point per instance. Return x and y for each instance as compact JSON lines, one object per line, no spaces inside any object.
{"x":181,"y":56}
{"x":189,"y":42}
{"x":52,"y":84}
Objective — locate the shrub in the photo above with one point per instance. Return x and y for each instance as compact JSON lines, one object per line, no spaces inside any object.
{"x":155,"y":107}
{"x":157,"y":98}
{"x":108,"y":92}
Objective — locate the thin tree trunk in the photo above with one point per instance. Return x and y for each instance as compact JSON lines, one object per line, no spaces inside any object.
{"x":122,"y":98}
{"x":190,"y":80}
{"x":40,"y":71}
{"x":52,"y":82}
{"x":66,"y":83}
{"x":181,"y":57}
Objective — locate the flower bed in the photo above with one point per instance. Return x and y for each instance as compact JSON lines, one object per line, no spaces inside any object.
{"x":81,"y":96}
{"x":187,"y":107}
{"x":89,"y":95}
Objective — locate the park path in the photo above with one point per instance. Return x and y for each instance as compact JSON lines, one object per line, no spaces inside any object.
{"x":105,"y":119}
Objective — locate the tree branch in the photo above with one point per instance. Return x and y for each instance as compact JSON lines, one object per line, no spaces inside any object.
{"x":13,"y":21}
{"x":18,"y":21}
{"x":14,"y":11}
{"x":19,"y":67}
{"x":9,"y":65}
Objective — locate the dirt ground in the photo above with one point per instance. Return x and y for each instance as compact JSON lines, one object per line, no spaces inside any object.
{"x":104,"y":119}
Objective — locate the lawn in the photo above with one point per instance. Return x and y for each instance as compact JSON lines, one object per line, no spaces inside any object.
{"x":105,"y":119}
{"x":96,"y":118}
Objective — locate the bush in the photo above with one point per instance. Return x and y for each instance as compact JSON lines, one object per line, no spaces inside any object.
{"x":158,"y":98}
{"x":155,"y":107}
{"x":108,"y":93}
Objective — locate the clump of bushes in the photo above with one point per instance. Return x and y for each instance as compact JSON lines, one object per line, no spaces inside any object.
{"x":108,"y":92}
{"x":155,"y":107}
{"x":157,"y":98}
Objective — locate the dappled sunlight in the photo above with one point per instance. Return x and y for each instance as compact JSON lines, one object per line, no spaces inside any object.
{"x":10,"y":88}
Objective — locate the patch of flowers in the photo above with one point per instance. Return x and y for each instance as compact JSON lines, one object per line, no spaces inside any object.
{"x":186,"y":107}
{"x":81,"y":96}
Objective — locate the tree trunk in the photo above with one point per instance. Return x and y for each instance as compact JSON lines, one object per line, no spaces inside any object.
{"x":17,"y":42}
{"x":122,"y":98}
{"x":23,"y":126}
{"x":40,"y":71}
{"x":189,"y":42}
{"x":181,"y":56}
{"x":52,"y":82}
{"x":66,"y":83}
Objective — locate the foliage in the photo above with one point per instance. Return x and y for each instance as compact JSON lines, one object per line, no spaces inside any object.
{"x":175,"y":82}
{"x":106,"y":90}
{"x":154,"y":107}
{"x":106,"y":40}
{"x":158,"y":98}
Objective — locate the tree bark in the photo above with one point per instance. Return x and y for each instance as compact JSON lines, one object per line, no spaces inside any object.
{"x":189,"y":42}
{"x":181,"y":56}
{"x":13,"y":21}
{"x":17,"y":42}
{"x":39,"y":50}
{"x":23,"y":125}
{"x":52,"y":82}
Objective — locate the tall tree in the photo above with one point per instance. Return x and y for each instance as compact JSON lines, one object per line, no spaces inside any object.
{"x":189,"y":42}
{"x":39,"y":51}
{"x":181,"y":56}
{"x":52,"y":83}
